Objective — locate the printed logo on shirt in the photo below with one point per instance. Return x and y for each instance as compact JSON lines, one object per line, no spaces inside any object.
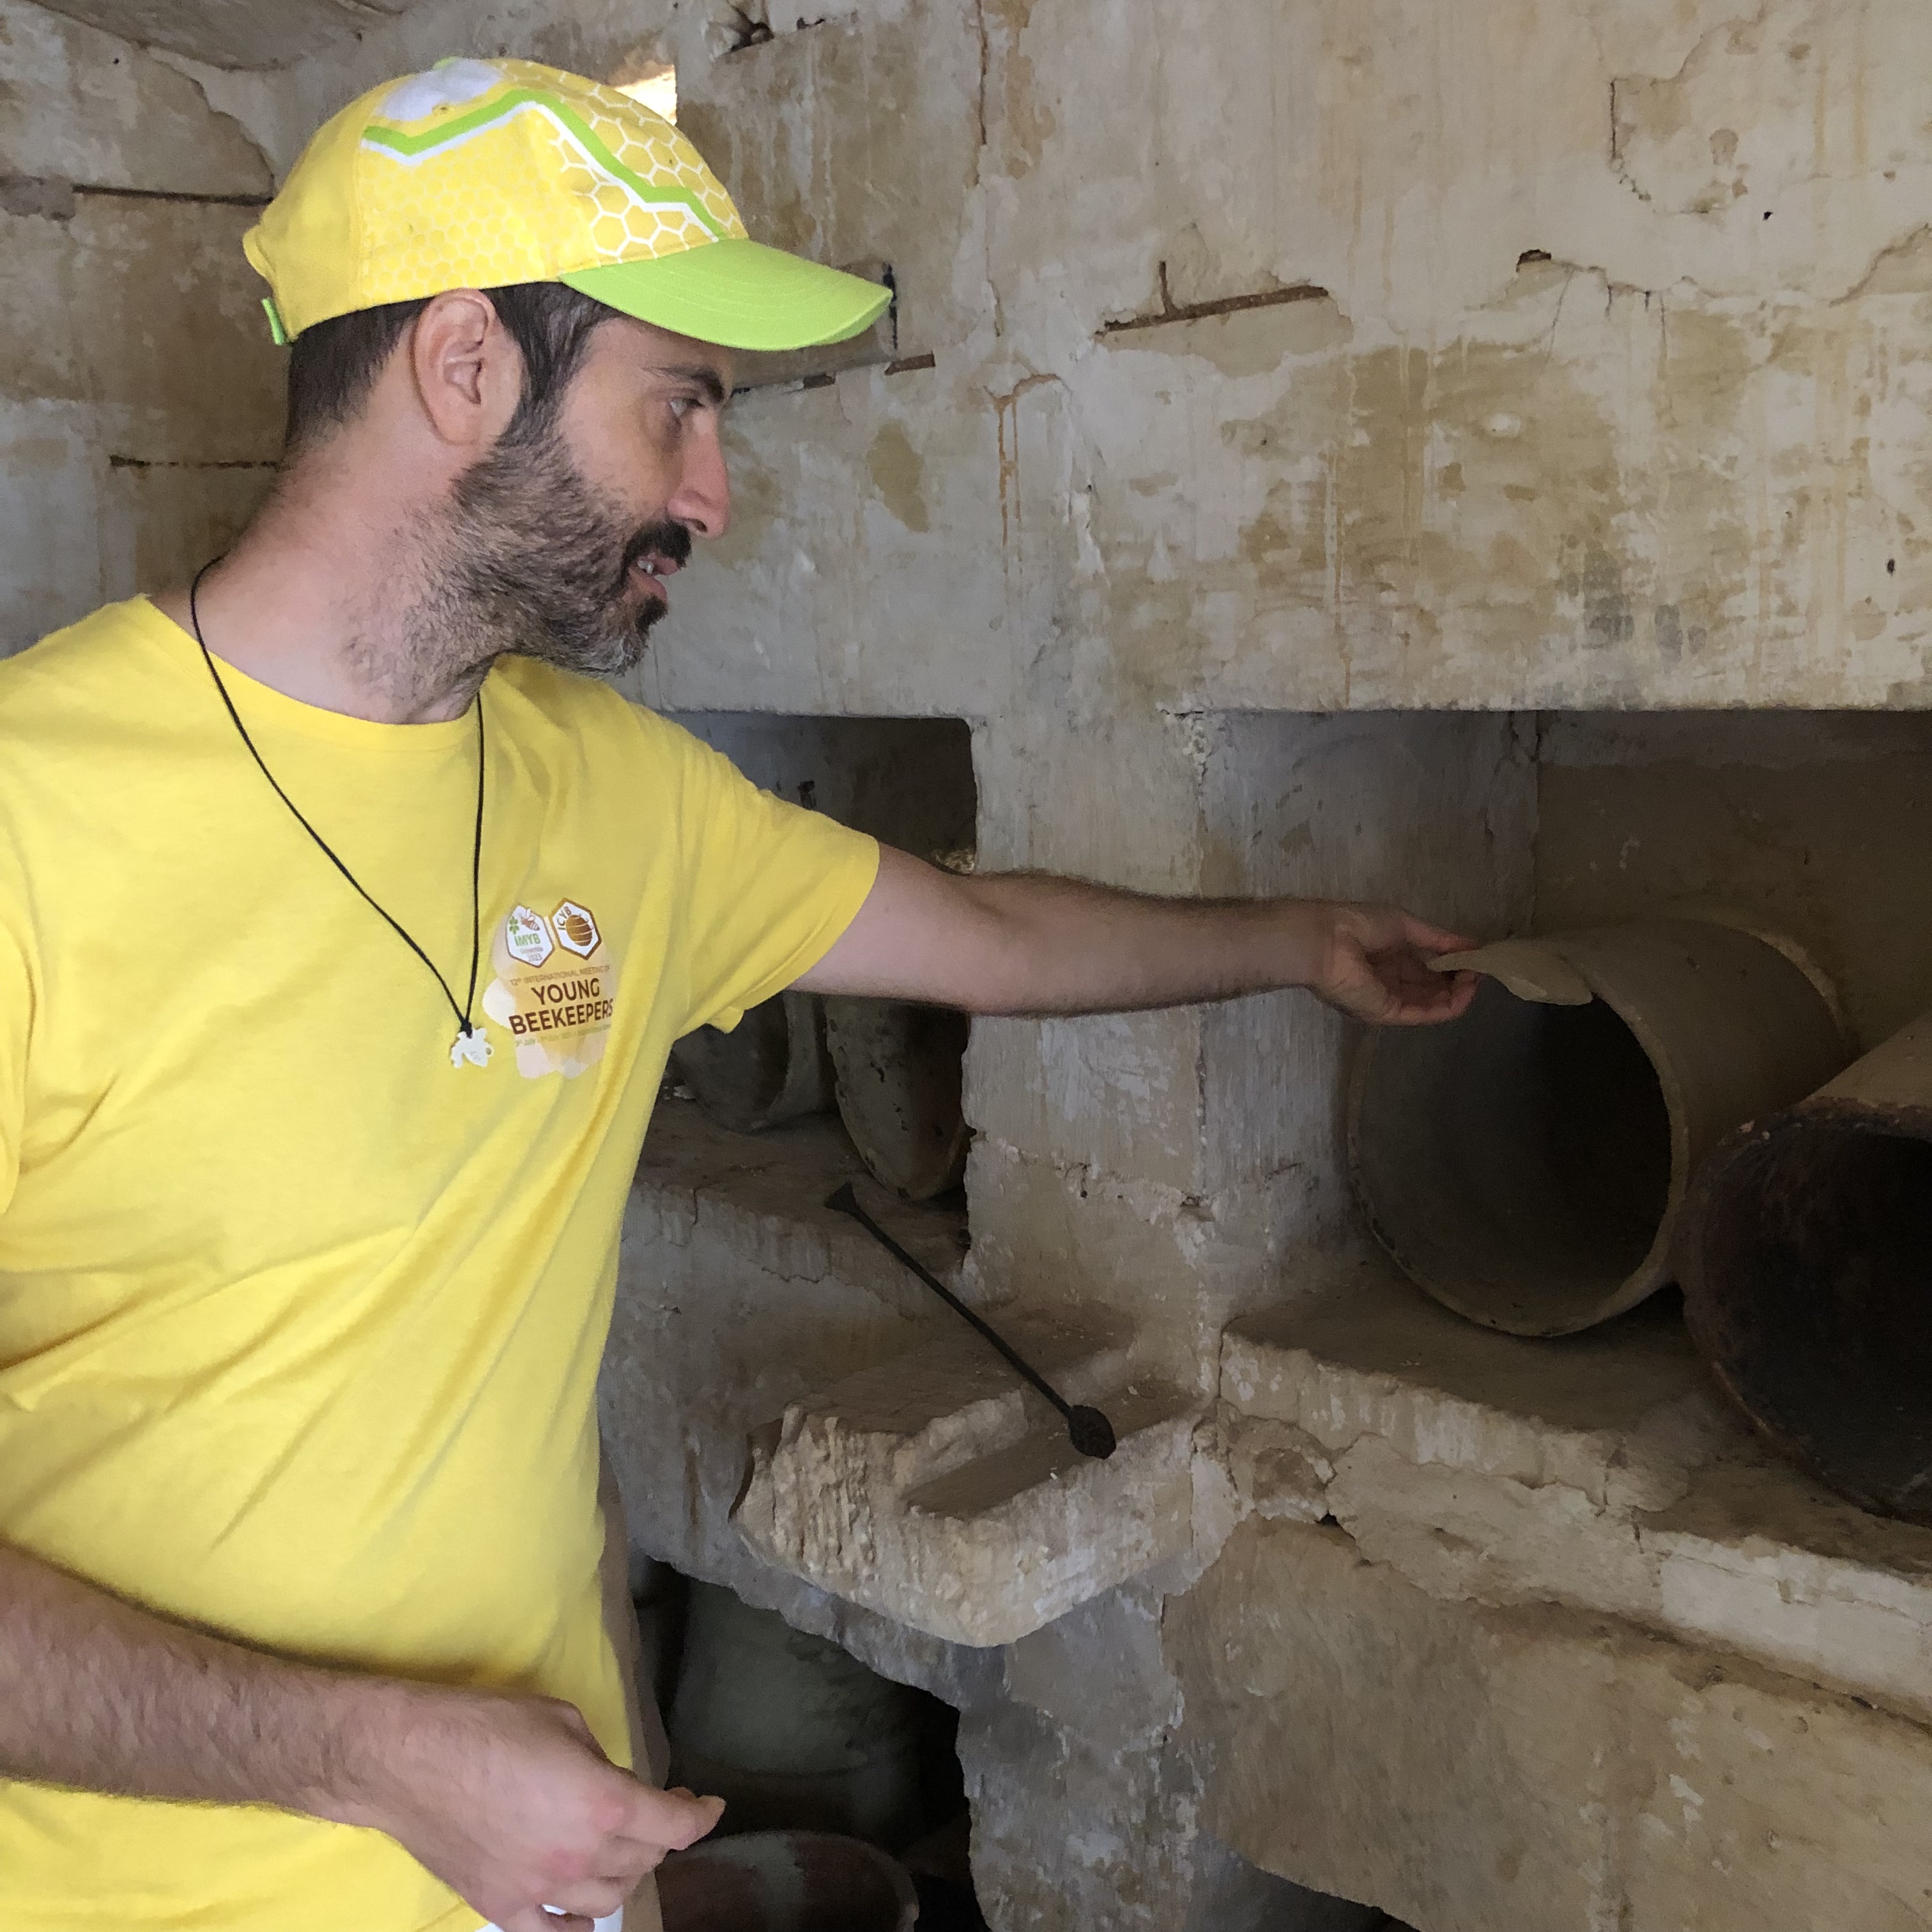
{"x":555,"y":990}
{"x":527,"y":935}
{"x":576,"y":929}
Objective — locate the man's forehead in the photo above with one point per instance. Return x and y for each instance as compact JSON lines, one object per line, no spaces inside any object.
{"x":652,"y":351}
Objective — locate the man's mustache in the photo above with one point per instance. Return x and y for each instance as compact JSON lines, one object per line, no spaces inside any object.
{"x":669,"y":541}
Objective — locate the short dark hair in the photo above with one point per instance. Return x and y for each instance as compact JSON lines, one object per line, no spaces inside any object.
{"x":334,"y":364}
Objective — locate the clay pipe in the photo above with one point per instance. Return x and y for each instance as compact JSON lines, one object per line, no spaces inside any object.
{"x":1088,"y":1429}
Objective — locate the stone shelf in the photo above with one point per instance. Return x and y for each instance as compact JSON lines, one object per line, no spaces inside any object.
{"x":1602,"y":1470}
{"x":763,"y":1196}
{"x":908,"y":1475}
{"x":928,"y":1489}
{"x":938,"y":1491}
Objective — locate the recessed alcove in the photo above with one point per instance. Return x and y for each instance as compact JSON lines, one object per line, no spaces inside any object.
{"x":892,"y":1073}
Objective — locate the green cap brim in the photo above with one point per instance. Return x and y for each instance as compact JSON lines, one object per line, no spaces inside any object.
{"x":739,"y":294}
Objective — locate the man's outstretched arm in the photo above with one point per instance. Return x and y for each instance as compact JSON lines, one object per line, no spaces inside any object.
{"x":1028,"y":943}
{"x":508,"y":1800}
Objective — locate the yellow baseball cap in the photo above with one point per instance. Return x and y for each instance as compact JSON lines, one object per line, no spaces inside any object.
{"x":480,"y":173}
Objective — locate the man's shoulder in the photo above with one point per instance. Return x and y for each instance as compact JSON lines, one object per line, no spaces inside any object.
{"x":78,"y":696}
{"x":62,"y":670}
{"x":595,"y":714}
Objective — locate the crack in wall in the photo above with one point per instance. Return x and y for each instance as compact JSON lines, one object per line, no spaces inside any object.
{"x":1170,"y":310}
{"x":117,"y":462}
{"x":48,"y":198}
{"x":182,"y":196}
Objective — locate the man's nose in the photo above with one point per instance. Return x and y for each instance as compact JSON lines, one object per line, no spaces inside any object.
{"x":702,"y":501}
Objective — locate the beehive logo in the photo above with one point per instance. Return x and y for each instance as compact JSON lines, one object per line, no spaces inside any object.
{"x":527,"y":935}
{"x":575,"y":928}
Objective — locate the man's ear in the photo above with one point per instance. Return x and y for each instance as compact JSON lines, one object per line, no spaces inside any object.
{"x":469,"y":375}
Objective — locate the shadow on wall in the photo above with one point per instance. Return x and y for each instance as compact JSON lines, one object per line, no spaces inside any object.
{"x":795,"y":1734}
{"x":892,"y":1070}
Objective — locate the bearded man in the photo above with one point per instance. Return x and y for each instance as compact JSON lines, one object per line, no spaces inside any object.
{"x":346,"y":923}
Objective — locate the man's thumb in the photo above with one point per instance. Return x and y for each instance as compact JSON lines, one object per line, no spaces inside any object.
{"x":676,"y":1819}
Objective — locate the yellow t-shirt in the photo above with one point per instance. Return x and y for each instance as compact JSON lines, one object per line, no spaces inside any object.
{"x":299,"y":1324}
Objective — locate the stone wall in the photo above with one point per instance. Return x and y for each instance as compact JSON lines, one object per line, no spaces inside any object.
{"x":139,"y":394}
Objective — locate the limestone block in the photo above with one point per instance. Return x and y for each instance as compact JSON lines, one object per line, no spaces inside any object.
{"x":1468,"y":1769}
{"x":757,"y":1202}
{"x":91,"y":315}
{"x":50,"y":510}
{"x":87,"y":106}
{"x":1595,"y":1471}
{"x":1119,"y":1094}
{"x":1621,"y":1415}
{"x":1460,"y":1533}
{"x":1761,"y":1560}
{"x":1277,"y":1469}
{"x":1099,"y":1671}
{"x":1437,"y":810}
{"x":795,"y":128}
{"x":257,"y":36}
{"x":808,"y":601}
{"x":935,"y":1490}
{"x":1184,"y":1265}
{"x":1072,"y":1836}
{"x":162,"y":522}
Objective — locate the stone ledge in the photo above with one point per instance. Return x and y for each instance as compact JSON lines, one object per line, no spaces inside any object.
{"x":1531,"y":1767}
{"x":938,"y":1491}
{"x":762,"y":1195}
{"x":1600,"y":1470}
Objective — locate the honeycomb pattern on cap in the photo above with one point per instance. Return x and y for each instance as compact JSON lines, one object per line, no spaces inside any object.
{"x":479,"y":173}
{"x":483,"y":172}
{"x":510,"y":172}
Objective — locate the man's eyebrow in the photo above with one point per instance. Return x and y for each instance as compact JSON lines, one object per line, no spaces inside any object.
{"x":701,"y":375}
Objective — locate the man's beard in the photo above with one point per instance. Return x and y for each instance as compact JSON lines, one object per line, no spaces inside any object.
{"x":531,"y":559}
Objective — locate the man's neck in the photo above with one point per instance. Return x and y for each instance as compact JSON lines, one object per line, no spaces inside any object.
{"x":327,"y":607}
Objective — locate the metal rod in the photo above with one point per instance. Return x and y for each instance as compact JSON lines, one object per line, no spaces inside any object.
{"x":1087,"y":1428}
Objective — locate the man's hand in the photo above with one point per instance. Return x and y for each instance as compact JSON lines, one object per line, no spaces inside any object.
{"x":509,"y":1802}
{"x":1376,"y":966}
{"x":1025,"y":943}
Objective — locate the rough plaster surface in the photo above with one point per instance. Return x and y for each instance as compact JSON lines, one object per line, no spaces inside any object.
{"x":1469,"y":1768}
{"x":139,"y":394}
{"x":231,"y":33}
{"x":1602,"y":385}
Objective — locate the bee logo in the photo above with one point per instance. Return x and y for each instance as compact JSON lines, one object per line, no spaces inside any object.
{"x":528,"y":937}
{"x":575,"y":928}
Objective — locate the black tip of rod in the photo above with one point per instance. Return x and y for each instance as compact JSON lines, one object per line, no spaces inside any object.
{"x":842,"y":1200}
{"x":1089,"y":1431}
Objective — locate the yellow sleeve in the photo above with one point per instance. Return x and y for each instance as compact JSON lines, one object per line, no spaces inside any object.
{"x":766,"y":888}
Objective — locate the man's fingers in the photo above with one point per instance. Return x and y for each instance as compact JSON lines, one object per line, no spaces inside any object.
{"x":1392,"y":986}
{"x":1433,"y":939}
{"x":534,"y":1918}
{"x":1449,"y":1003}
{"x":668,"y":1821}
{"x":676,"y":1819}
{"x":591,"y":1897}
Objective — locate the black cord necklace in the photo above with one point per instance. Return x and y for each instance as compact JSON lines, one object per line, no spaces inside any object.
{"x":471,"y":1048}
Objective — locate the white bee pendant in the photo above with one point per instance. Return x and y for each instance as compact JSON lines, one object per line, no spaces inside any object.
{"x":470,"y":1049}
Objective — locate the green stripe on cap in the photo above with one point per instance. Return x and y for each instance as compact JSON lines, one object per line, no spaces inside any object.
{"x":413,"y":148}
